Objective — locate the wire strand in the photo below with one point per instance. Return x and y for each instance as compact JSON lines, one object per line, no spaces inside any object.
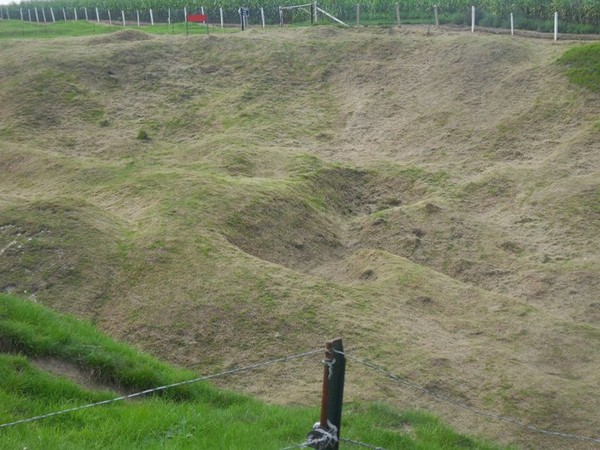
{"x":167,"y":386}
{"x":303,"y":445}
{"x":443,"y":398}
{"x":360,"y":444}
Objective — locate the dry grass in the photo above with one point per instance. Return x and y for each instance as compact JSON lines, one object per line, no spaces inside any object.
{"x":432,"y":199}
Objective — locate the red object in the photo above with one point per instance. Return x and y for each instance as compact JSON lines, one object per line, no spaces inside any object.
{"x":199,"y":18}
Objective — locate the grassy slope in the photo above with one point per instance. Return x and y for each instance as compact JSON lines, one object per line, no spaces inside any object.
{"x":15,"y":29}
{"x":192,"y":416}
{"x":584,"y":65}
{"x":299,"y":185}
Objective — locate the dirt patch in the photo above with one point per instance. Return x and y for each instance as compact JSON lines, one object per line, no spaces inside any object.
{"x":75,"y":373}
{"x":120,"y":36}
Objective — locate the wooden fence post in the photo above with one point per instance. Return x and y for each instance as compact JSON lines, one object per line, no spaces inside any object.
{"x":437,"y":20}
{"x":398,"y":14}
{"x":358,"y":14}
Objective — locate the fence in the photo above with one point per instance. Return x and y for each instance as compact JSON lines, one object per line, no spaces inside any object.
{"x":571,"y":21}
{"x":326,"y":435}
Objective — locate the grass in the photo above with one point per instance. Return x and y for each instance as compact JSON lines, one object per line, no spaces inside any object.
{"x":196,"y":416}
{"x":35,"y":331}
{"x":301,"y":184}
{"x":15,"y":29}
{"x":583,"y":66}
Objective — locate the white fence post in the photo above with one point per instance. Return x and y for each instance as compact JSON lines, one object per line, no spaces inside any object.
{"x":123,"y":16}
{"x":556,"y":26}
{"x":512,"y":25}
{"x":137,"y":13}
{"x":37,"y":18}
{"x":97,"y":16}
{"x":202,"y":10}
{"x":316,"y":13}
{"x":221,"y":14}
{"x":473,"y":19}
{"x":21,"y":11}
{"x":358,"y":14}
{"x":398,"y":14}
{"x":52,"y":14}
{"x":75,"y":13}
{"x":262,"y":16}
{"x":7,"y":14}
{"x":29,"y":14}
{"x":169,"y":16}
{"x":44,"y":15}
{"x":151,"y":18}
{"x":86,"y":14}
{"x":64,"y":14}
{"x":109,"y":18}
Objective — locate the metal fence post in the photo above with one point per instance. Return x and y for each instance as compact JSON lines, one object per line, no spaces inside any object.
{"x":336,"y":385}
{"x":325,"y":434}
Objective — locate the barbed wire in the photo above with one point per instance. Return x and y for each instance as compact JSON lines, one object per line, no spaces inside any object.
{"x":303,"y":445}
{"x":449,"y":400}
{"x":167,"y":386}
{"x":360,"y":444}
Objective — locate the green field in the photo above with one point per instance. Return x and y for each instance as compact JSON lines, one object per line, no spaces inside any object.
{"x":14,"y":29}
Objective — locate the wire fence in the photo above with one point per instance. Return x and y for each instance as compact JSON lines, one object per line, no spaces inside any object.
{"x":448,"y":400}
{"x":167,"y":386}
{"x":571,"y":21}
{"x":369,"y":365}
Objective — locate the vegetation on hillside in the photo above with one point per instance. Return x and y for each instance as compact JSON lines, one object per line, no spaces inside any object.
{"x":583,"y":65}
{"x":33,"y":339}
{"x":432,"y":199}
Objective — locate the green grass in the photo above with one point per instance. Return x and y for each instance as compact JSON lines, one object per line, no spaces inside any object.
{"x":36,"y":331}
{"x":199,"y":417}
{"x":15,"y":29}
{"x":583,"y":65}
